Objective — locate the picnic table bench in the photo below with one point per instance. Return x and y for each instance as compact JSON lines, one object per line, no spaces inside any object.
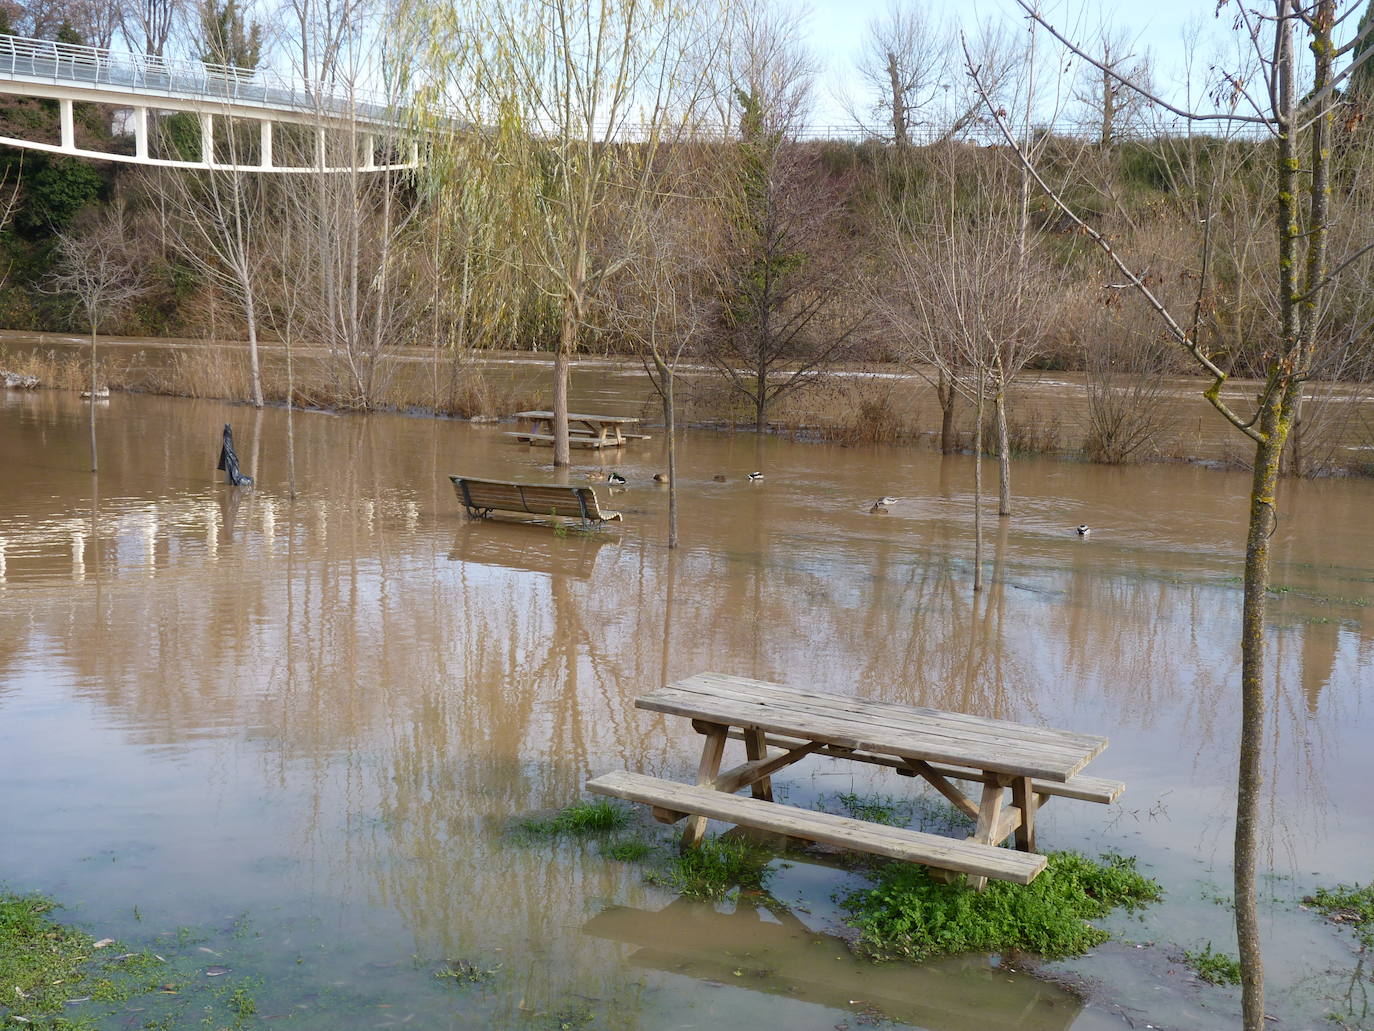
{"x":782,"y":725}
{"x":591,"y":431}
{"x":483,"y":497}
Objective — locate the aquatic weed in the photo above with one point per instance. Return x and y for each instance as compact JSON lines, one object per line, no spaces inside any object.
{"x":579,"y":818}
{"x":873,"y":808}
{"x":1214,"y":967}
{"x":1348,"y":904}
{"x":714,"y":868}
{"x":627,"y":850}
{"x":910,"y":914}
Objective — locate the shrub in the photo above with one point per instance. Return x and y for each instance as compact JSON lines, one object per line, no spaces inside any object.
{"x":908,"y":913}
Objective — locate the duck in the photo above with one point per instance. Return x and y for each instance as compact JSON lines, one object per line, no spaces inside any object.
{"x":660,"y":477}
{"x":886,"y":500}
{"x":878,"y":507}
{"x":719,"y":477}
{"x":616,"y":478}
{"x":1083,"y":529}
{"x":755,"y":477}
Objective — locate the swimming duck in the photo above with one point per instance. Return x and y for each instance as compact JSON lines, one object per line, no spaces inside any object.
{"x":886,"y":500}
{"x":719,"y":477}
{"x":660,"y":477}
{"x":878,"y":507}
{"x":1083,"y":530}
{"x":755,"y":477}
{"x":616,"y":478}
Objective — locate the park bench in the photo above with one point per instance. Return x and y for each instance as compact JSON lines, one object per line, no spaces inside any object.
{"x":782,"y":725}
{"x":483,"y":497}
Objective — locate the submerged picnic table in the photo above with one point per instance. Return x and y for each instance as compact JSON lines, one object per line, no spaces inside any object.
{"x":782,"y":725}
{"x":594,"y":431}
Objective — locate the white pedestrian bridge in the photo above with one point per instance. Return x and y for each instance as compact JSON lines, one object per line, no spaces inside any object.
{"x":369,"y":130}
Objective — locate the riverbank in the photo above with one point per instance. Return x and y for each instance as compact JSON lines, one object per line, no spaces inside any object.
{"x":1059,"y":414}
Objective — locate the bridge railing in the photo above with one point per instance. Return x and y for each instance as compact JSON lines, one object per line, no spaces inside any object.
{"x":73,"y":64}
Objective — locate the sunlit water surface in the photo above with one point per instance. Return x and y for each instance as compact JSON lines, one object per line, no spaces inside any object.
{"x":292,"y":736}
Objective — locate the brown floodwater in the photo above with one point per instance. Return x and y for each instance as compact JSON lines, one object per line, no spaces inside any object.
{"x":295,"y":734}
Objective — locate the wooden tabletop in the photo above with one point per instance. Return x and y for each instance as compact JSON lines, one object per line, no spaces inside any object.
{"x":905,"y":731}
{"x":620,"y":419}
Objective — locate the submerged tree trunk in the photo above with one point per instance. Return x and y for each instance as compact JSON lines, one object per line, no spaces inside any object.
{"x":94,"y":467}
{"x":978,"y":491}
{"x":944,"y":390}
{"x":669,"y":427}
{"x":999,"y":403}
{"x":1250,"y":774}
{"x":251,"y":315}
{"x":562,"y":362}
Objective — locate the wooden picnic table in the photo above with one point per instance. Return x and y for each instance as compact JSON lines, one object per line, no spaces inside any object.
{"x":1034,"y":763}
{"x":584,"y":430}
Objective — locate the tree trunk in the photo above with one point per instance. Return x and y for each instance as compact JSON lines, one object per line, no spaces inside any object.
{"x":899,"y":127}
{"x":1250,"y":775}
{"x":978,"y":491}
{"x":944,"y":390}
{"x":562,"y":363}
{"x":250,"y":311}
{"x":999,"y":404}
{"x":669,"y":426}
{"x":93,"y":461}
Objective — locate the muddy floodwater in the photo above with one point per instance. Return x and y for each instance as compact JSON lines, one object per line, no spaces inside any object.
{"x":291,"y":737}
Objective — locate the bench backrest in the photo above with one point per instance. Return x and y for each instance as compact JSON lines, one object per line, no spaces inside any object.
{"x":534,"y":498}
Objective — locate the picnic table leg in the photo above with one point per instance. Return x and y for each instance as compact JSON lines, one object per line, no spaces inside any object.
{"x":711,"y":753}
{"x":756,"y":748}
{"x":989,"y":816}
{"x":1023,"y":797}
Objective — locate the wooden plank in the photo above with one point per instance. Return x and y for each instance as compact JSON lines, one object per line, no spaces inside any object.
{"x":884,"y":727}
{"x":707,"y":771}
{"x":1083,"y":788}
{"x":842,"y":831}
{"x":956,"y":797}
{"x":1002,"y":756}
{"x":725,"y":685}
{"x":1024,"y":798}
{"x":989,"y":815}
{"x":757,"y":751}
{"x":759,"y":768}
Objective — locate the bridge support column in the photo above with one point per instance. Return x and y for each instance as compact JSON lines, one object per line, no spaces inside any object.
{"x":207,"y":138}
{"x":266,"y":129}
{"x":369,"y":151}
{"x":141,"y":133}
{"x":64,"y":108}
{"x":319,"y":149}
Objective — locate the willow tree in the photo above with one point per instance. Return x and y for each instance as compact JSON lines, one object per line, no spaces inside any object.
{"x":568,"y":103}
{"x":1289,"y":94}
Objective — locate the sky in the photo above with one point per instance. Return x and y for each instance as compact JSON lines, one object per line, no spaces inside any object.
{"x":836,"y":29}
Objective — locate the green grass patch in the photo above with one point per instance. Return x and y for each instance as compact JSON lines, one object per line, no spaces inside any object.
{"x":715,"y":868}
{"x":597,"y":817}
{"x":1350,"y":905}
{"x":909,"y":914}
{"x":44,"y":965}
{"x":1214,"y":967}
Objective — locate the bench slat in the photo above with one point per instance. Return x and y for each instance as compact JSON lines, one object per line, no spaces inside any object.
{"x":827,"y":828}
{"x":540,"y":499}
{"x":1079,"y":786}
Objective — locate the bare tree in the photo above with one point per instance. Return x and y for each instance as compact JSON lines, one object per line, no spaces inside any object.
{"x":662,"y":304}
{"x":1108,"y":104}
{"x":1297,"y":117}
{"x":98,"y":267}
{"x":969,"y":297}
{"x":912,"y":79}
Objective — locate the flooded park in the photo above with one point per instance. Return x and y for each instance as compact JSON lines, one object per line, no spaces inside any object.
{"x":291,"y":741}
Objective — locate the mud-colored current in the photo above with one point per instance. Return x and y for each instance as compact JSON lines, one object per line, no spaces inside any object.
{"x":304,"y":727}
